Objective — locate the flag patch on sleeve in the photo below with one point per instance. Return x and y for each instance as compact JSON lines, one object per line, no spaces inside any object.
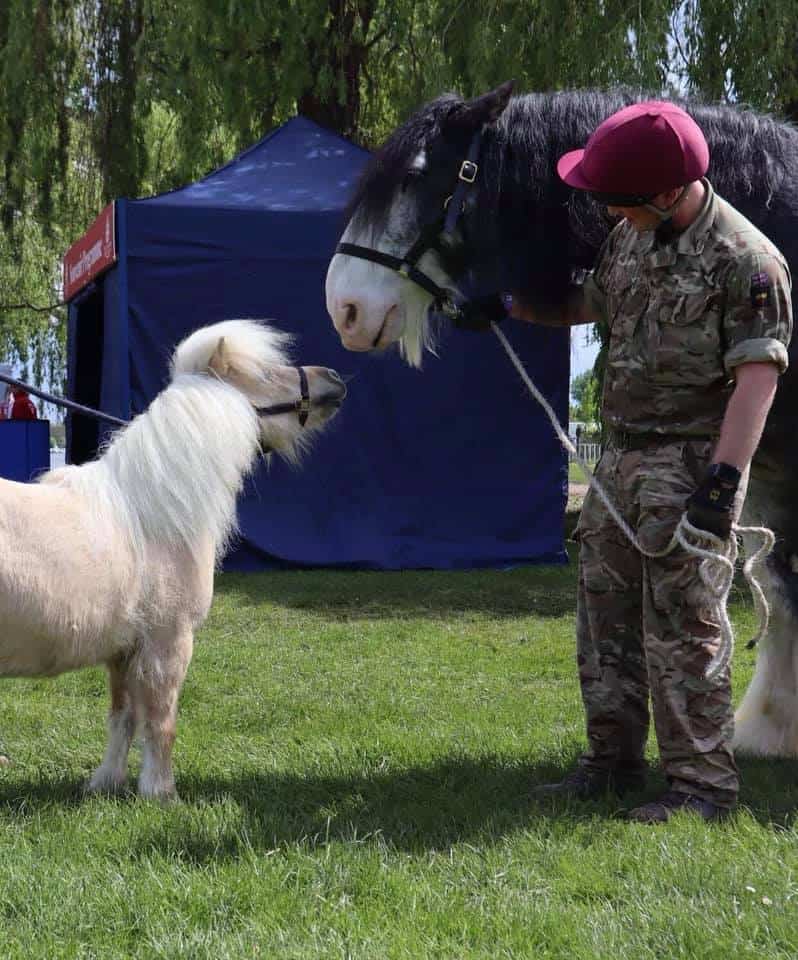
{"x":760,"y":290}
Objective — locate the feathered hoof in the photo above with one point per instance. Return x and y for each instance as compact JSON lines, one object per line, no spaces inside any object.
{"x":4,"y":760}
{"x":757,"y":737}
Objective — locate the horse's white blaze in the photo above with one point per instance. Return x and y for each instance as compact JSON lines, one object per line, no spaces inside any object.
{"x":372,"y":306}
{"x":112,"y":562}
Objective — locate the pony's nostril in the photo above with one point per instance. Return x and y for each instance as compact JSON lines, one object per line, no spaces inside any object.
{"x":333,"y":375}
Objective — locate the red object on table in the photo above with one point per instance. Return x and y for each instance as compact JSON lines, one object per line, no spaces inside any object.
{"x":22,"y":407}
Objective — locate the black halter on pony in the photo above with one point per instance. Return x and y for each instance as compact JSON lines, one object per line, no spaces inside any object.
{"x":468,"y":312}
{"x":300,"y":407}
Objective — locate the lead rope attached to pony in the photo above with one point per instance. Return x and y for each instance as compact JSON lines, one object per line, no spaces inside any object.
{"x":717,"y":565}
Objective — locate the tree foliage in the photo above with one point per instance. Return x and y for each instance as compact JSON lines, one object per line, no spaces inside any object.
{"x":108,"y":98}
{"x":585,"y":394}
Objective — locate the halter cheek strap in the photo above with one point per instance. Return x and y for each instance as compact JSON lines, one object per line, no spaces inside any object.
{"x":432,"y":237}
{"x":300,"y":407}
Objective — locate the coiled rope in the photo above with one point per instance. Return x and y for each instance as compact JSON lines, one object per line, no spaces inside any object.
{"x":716,"y":569}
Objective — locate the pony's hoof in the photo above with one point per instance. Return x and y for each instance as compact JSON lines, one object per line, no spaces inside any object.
{"x":165,"y":799}
{"x":4,"y":760}
{"x":104,"y":786}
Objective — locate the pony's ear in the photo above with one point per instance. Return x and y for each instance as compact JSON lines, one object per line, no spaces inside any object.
{"x":484,"y":109}
{"x":219,"y":362}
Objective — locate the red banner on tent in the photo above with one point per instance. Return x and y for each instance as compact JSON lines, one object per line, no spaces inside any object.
{"x":93,"y":253}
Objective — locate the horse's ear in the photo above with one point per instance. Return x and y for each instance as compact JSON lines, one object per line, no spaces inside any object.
{"x":484,"y":109}
{"x":219,"y":362}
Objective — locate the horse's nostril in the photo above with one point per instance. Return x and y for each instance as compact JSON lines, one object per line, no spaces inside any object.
{"x":351,"y":316}
{"x":333,"y":375}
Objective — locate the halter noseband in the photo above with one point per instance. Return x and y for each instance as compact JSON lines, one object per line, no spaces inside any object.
{"x":432,"y":237}
{"x":300,"y":407}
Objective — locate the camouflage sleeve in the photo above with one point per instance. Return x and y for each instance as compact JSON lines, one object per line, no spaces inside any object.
{"x":757,"y":324}
{"x":594,"y":288}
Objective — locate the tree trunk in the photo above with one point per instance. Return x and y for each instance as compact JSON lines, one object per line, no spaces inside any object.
{"x":341,"y":56}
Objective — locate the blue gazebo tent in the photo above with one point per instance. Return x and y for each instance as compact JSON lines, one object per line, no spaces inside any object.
{"x":451,"y":467}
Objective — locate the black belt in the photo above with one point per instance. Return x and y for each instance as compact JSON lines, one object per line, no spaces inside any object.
{"x":623,"y":440}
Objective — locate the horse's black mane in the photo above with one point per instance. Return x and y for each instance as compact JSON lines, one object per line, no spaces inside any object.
{"x":532,"y":230}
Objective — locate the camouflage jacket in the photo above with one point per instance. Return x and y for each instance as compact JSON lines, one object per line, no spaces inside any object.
{"x":682,"y":316}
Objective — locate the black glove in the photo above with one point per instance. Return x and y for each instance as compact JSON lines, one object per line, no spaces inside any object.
{"x":478,"y":314}
{"x":711,"y":507}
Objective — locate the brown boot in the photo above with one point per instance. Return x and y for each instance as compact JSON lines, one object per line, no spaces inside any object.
{"x":661,"y":810}
{"x":588,"y":783}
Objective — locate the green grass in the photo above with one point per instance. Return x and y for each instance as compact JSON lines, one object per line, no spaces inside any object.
{"x":354,"y":756}
{"x":576,"y":474}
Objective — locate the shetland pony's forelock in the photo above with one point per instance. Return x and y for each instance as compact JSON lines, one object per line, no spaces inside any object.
{"x":250,"y":348}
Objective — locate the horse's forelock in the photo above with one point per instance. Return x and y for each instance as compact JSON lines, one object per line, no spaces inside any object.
{"x":386,"y":170}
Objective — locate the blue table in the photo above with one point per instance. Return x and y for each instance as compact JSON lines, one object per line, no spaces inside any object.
{"x":24,"y":449}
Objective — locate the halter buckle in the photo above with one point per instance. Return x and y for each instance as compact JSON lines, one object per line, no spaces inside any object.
{"x":404,"y":270}
{"x":303,"y":406}
{"x":468,"y":171}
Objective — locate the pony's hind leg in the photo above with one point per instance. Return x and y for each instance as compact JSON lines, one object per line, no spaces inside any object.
{"x":162,"y":668}
{"x":111,"y":775}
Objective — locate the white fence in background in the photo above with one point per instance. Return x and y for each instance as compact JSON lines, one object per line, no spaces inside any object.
{"x":57,"y":457}
{"x":587,"y":451}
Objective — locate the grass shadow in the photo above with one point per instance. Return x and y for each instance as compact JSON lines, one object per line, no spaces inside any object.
{"x":23,"y":798}
{"x":769,"y":789}
{"x":545,"y":591}
{"x":414,"y":810}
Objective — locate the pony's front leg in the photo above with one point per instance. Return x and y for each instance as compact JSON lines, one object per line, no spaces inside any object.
{"x":111,"y":775}
{"x":162,"y":668}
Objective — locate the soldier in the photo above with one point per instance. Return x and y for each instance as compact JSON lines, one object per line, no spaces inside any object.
{"x":697,"y":304}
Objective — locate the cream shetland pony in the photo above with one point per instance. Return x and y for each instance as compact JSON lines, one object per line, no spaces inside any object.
{"x":112,"y":562}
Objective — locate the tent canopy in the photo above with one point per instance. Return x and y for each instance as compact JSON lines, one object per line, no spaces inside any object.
{"x":450,"y":467}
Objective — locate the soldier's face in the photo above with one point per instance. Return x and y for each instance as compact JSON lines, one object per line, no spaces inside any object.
{"x":640,"y":218}
{"x":643,"y":219}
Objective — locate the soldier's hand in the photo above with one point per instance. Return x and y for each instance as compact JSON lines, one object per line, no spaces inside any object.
{"x":711,"y":506}
{"x":480,"y":312}
{"x":517,"y":310}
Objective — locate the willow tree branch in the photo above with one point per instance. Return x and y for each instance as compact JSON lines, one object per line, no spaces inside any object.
{"x":31,"y":306}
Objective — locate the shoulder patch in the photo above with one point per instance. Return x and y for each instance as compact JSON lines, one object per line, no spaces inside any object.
{"x":760,"y":290}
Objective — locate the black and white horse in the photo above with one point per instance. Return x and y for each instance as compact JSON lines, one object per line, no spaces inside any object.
{"x":516,"y":227}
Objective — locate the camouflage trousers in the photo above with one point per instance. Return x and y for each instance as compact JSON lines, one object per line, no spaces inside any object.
{"x":645,"y":627}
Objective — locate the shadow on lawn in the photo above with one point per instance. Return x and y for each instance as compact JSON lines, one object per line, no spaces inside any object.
{"x":416,"y":809}
{"x":544,"y":591}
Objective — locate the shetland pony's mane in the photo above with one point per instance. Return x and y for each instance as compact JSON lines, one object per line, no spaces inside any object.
{"x":173,"y":474}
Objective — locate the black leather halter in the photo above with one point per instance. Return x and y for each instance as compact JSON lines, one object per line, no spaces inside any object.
{"x":300,"y":407}
{"x":438,"y":235}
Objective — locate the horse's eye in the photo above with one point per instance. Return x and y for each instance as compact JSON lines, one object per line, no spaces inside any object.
{"x":410,"y":176}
